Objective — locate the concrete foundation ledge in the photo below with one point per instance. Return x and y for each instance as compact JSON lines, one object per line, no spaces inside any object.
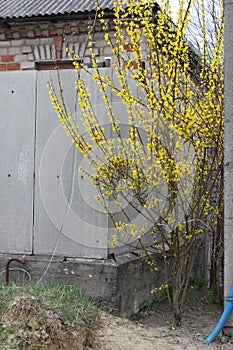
{"x":123,"y":285}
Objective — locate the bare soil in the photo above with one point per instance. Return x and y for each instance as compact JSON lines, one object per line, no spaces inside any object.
{"x":157,"y":331}
{"x":39,"y":328}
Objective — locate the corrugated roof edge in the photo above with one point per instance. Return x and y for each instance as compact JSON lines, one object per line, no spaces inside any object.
{"x":65,"y":16}
{"x":59,"y":16}
{"x":14,"y":9}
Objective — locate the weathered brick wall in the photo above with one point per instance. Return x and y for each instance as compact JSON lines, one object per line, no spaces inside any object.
{"x":24,"y":44}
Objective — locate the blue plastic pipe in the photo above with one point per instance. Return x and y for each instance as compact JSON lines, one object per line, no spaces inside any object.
{"x":223,"y":319}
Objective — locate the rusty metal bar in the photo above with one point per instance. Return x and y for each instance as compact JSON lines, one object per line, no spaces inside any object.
{"x":7,"y":269}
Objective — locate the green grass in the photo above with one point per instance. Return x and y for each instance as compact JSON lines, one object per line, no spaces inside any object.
{"x":199,"y":294}
{"x":70,"y":304}
{"x":147,"y":310}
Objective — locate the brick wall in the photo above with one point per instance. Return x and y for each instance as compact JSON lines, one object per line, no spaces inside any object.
{"x":22,"y":45}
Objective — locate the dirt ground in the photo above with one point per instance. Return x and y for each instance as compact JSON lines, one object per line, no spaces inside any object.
{"x":156,"y":331}
{"x":40,"y":328}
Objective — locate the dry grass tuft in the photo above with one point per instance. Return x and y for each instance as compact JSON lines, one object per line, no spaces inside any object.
{"x":36,"y":326}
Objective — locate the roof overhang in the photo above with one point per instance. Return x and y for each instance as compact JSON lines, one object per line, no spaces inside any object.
{"x":6,"y":22}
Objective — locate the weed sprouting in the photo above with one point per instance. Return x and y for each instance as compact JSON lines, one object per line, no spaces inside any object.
{"x":45,"y":314}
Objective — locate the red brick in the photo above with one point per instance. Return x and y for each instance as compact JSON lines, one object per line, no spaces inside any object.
{"x":9,"y":35}
{"x":58,"y":55}
{"x":23,"y":33}
{"x":38,"y":32}
{"x":59,"y":41}
{"x":98,"y":29}
{"x":2,"y":67}
{"x":13,"y":66}
{"x":83,"y":29}
{"x":128,"y":48}
{"x":132,"y":64}
{"x":53,"y":30}
{"x":8,"y":58}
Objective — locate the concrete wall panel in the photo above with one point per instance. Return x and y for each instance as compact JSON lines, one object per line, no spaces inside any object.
{"x":53,"y":211}
{"x":67,"y":219}
{"x":17,"y":106}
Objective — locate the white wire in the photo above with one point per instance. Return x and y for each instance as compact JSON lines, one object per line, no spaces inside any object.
{"x":68,"y":207}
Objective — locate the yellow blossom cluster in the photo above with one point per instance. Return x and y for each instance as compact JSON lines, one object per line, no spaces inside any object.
{"x":165,"y":160}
